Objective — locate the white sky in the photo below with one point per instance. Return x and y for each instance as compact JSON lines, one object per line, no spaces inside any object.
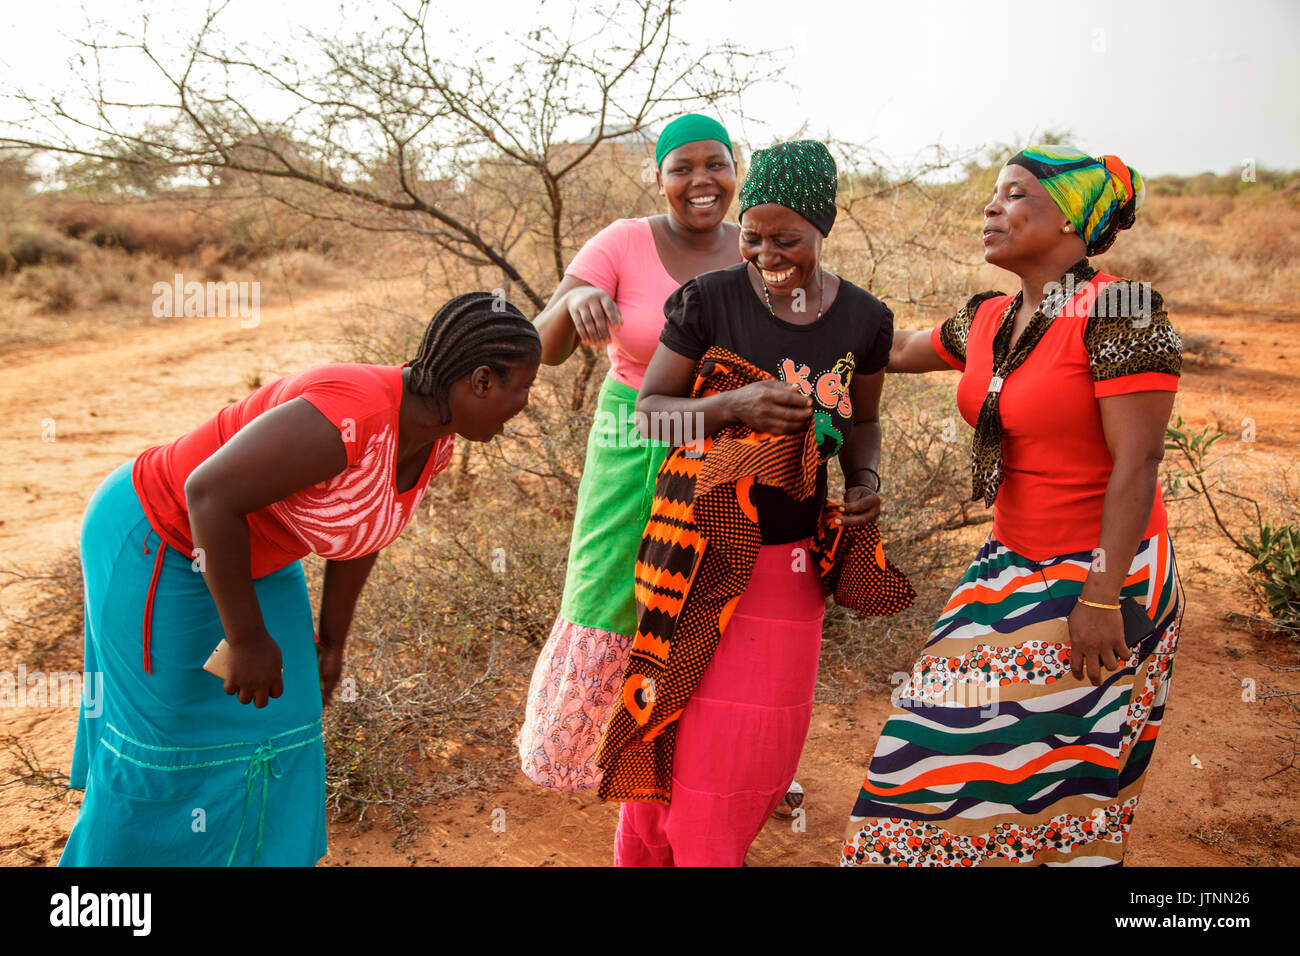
{"x":1171,"y":86}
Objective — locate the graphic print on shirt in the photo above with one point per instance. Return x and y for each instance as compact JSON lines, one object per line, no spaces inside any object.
{"x":358,"y":511}
{"x":830,"y":390}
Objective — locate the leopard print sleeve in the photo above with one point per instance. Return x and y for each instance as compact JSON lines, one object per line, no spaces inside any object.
{"x":954,"y":332}
{"x":1129,"y":333}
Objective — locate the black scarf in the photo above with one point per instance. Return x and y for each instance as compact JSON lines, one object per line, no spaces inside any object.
{"x":986,"y":447}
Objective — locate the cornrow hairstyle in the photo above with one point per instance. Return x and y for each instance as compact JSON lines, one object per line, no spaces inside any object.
{"x":473,"y":329}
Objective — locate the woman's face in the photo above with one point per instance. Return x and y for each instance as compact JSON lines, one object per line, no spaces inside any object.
{"x":784,"y":246}
{"x":699,"y":181}
{"x":1022,"y":223}
{"x":497,"y":398}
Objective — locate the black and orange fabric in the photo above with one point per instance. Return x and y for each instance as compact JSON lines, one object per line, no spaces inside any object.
{"x":696,"y":557}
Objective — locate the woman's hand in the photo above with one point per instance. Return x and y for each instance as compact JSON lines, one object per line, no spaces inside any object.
{"x":329,"y":659}
{"x":861,"y":506}
{"x":771,"y":407}
{"x":256,"y":670}
{"x":593,"y":314}
{"x":1096,"y":639}
{"x":338,"y":602}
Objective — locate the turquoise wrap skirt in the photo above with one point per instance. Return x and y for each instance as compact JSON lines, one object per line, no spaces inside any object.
{"x":176,"y":772}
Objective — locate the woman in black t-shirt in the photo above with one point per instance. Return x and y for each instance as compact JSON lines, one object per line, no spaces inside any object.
{"x":826,"y":343}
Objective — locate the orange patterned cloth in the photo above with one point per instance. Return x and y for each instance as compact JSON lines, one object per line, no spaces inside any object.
{"x":695,"y":561}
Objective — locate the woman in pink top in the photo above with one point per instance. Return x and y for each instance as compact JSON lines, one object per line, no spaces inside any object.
{"x":199,"y":541}
{"x":613,"y":294}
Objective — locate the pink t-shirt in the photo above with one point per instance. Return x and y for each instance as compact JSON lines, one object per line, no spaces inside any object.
{"x":622,"y":261}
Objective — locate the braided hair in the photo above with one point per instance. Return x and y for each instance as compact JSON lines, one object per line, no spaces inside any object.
{"x":473,"y":329}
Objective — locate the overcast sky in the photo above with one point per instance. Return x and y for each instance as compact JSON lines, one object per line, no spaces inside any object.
{"x":1171,"y":86}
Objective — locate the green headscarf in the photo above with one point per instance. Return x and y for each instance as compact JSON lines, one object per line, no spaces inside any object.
{"x":690,"y":128}
{"x":799,"y":175}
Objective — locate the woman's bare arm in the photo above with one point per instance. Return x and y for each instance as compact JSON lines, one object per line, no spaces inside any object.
{"x":912,"y":351}
{"x":282,"y":451}
{"x":862,"y":450}
{"x":578,"y":311}
{"x":1134,"y":426}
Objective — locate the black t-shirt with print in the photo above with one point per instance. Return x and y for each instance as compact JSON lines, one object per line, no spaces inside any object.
{"x":851,"y":338}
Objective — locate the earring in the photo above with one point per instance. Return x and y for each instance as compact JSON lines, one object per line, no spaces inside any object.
{"x":1067,"y":228}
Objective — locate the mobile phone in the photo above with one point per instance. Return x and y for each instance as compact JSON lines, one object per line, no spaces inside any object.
{"x":1138,"y":625}
{"x":219,"y":661}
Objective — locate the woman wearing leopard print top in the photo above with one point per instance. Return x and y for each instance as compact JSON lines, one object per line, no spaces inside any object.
{"x":1028,"y":724}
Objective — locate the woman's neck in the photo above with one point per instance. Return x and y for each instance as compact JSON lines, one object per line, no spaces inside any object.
{"x":705,"y":243}
{"x":417,"y":421}
{"x":1036,"y":278}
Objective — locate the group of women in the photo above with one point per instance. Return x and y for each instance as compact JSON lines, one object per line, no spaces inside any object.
{"x":678,"y":677}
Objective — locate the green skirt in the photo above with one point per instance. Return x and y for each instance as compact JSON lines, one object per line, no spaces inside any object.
{"x":614,"y":497}
{"x":580,"y":670}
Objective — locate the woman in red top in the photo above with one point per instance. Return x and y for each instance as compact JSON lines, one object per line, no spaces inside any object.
{"x":1027,"y":726}
{"x":199,"y":541}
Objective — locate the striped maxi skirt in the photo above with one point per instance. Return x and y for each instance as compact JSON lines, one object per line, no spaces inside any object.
{"x":995,"y":754}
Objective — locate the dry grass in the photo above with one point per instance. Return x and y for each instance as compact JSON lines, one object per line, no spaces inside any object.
{"x":1244,"y":248}
{"x":48,"y":632}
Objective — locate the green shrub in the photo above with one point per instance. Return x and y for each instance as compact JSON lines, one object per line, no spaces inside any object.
{"x":1277,"y":569}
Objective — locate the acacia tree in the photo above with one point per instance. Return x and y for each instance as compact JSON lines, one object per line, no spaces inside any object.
{"x":381,"y":132}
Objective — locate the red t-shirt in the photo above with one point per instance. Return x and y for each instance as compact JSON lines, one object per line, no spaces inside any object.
{"x":355,"y":513}
{"x":1054,"y":457}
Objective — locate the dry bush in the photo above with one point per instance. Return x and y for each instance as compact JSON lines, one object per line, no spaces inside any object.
{"x":1200,"y":349}
{"x":1191,"y":253}
{"x":164,"y":230}
{"x":450,"y":623}
{"x":33,"y":244}
{"x":1201,"y":210}
{"x":101,"y":276}
{"x":48,"y":633}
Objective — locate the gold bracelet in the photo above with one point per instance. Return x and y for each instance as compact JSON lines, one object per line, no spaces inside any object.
{"x":1104,"y":607}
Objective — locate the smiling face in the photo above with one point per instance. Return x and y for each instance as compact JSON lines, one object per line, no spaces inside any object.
{"x":1022,"y":223}
{"x":699,"y":181}
{"x":784,"y":246}
{"x":492,"y":399}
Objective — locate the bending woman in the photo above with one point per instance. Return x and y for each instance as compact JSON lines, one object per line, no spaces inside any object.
{"x":1027,"y":727}
{"x":200,"y":540}
{"x":822,"y":343}
{"x":613,"y":293}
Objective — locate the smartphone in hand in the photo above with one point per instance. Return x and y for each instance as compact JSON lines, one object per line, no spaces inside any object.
{"x":219,"y":661}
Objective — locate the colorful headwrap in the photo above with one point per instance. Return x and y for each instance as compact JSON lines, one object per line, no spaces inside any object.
{"x":1099,"y":196}
{"x":690,"y":128}
{"x":799,"y":175}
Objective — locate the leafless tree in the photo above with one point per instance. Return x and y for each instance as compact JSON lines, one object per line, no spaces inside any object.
{"x":380,"y":132}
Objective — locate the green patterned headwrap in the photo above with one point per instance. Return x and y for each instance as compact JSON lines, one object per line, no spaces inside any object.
{"x":1100,"y":196}
{"x":799,"y":175}
{"x":690,"y":128}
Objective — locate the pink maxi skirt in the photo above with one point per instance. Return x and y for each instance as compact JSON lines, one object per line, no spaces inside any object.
{"x":741,"y":734}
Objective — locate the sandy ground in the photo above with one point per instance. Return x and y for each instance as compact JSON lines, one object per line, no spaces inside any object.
{"x":1213,"y":794}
